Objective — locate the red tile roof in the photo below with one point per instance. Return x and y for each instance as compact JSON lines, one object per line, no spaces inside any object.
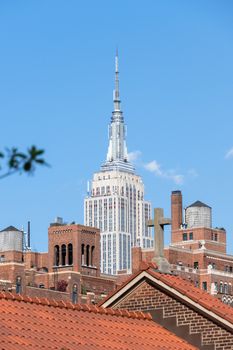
{"x":186,"y":288}
{"x":33,"y":323}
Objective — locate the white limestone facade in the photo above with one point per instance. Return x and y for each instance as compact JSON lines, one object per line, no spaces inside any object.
{"x":117,"y":207}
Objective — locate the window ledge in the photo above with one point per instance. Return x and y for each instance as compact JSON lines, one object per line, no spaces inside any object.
{"x":89,"y":267}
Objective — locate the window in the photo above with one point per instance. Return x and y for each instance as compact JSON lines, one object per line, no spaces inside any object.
{"x":185,"y":236}
{"x":216,"y":237}
{"x":82,"y":254}
{"x":195,"y":265}
{"x":18,"y":285}
{"x":190,"y":236}
{"x":204,"y":285}
{"x":56,"y":255}
{"x":87,"y":255}
{"x":230,"y":269}
{"x":63,"y":254}
{"x":75,"y":294}
{"x":92,"y":255}
{"x":70,"y":254}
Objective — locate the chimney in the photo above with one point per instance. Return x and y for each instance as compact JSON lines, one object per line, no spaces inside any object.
{"x":176,"y":210}
{"x":29,"y":235}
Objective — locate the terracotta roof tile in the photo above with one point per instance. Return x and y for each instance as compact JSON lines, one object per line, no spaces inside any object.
{"x":28,"y":323}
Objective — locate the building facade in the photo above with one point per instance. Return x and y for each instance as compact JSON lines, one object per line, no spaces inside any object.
{"x":115,"y":202}
{"x":70,"y":270}
{"x":198,"y":251}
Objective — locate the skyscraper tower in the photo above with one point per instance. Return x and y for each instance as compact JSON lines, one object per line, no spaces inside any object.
{"x":115,"y":202}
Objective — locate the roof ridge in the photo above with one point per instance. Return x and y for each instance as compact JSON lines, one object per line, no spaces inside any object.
{"x":204,"y":299}
{"x":144,"y":266}
{"x":199,"y":204}
{"x":183,"y":286}
{"x":10,"y":228}
{"x":79,"y":307}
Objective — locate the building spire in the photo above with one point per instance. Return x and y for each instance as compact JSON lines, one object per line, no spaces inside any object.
{"x":117,"y":156}
{"x":116,"y":95}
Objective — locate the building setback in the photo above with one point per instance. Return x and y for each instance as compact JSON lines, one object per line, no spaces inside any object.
{"x":115,"y":202}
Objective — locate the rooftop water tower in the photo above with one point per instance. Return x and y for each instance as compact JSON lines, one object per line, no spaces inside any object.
{"x":11,"y":239}
{"x":198,"y":214}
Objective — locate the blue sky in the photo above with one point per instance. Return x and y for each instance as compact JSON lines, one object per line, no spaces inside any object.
{"x":176,"y":86}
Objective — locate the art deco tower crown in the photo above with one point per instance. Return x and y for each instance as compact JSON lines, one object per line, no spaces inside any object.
{"x":117,"y":156}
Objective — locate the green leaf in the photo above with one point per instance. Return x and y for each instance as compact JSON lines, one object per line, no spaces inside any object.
{"x":27,"y":166}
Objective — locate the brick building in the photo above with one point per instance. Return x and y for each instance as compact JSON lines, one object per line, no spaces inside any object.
{"x":70,"y":270}
{"x":177,"y":305}
{"x":197,"y":251}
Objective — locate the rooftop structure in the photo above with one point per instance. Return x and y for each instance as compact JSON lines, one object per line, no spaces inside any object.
{"x":198,"y":251}
{"x":11,"y":239}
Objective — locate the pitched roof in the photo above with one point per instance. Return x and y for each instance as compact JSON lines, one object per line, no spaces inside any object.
{"x":10,"y":228}
{"x":33,"y":323}
{"x":198,"y":204}
{"x":180,"y":288}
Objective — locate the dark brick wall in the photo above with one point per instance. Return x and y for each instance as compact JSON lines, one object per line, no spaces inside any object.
{"x":146,"y":297}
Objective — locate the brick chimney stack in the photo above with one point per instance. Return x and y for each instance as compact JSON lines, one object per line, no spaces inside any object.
{"x":176,"y":210}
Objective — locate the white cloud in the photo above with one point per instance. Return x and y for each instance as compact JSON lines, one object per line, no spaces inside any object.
{"x":133,"y":156}
{"x":178,"y":179}
{"x":155,"y":167}
{"x":229,"y":154}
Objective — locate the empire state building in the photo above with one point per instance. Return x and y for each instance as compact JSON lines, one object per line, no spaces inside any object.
{"x":115,"y":202}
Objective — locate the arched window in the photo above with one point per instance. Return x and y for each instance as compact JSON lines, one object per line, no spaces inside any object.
{"x":18,"y":285}
{"x":63,"y":254}
{"x":87,"y":254}
{"x":70,"y":254}
{"x":221,"y":287}
{"x":75,"y":294}
{"x":225,"y":288}
{"x":82,"y":254}
{"x":56,"y":255}
{"x":92,"y":255}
